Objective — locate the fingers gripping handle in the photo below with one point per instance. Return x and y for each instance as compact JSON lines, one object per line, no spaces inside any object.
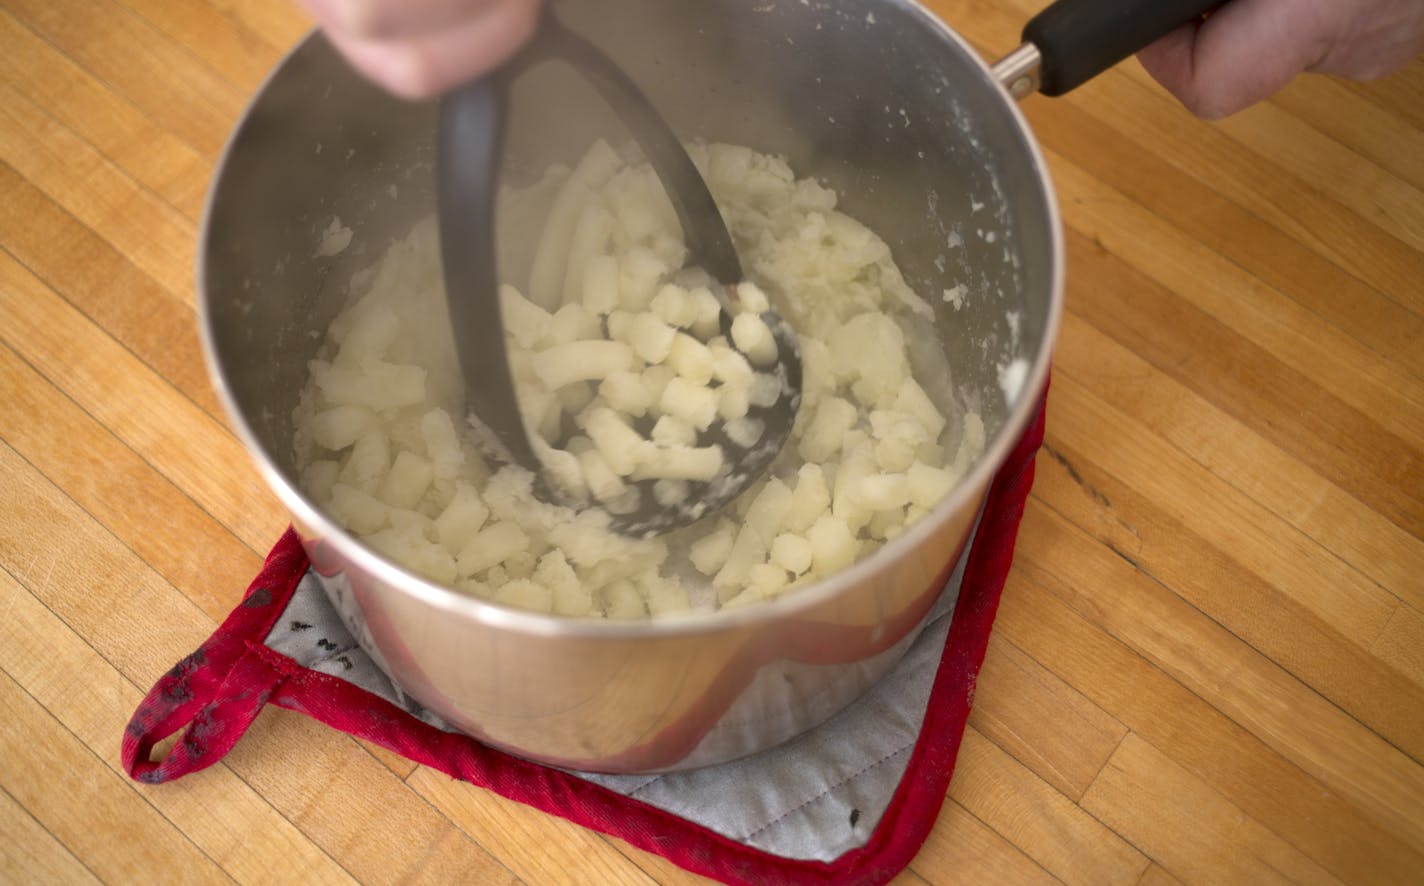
{"x":1077,"y":40}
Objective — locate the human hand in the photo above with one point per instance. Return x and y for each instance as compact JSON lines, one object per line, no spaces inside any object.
{"x":419,"y":48}
{"x":1247,"y":50}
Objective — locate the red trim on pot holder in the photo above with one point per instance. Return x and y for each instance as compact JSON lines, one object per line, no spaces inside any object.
{"x":218,"y":690}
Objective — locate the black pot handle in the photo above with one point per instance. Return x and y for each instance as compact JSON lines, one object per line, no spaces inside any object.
{"x":1079,"y":39}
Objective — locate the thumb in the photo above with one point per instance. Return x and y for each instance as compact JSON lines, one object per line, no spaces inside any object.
{"x":1244,"y":53}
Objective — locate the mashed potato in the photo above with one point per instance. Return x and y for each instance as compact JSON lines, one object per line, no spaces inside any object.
{"x":608,"y":331}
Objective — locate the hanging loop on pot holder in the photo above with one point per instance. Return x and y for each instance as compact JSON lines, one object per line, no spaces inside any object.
{"x":216,"y":692}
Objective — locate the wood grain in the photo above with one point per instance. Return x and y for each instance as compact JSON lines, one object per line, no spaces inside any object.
{"x":1195,"y":834}
{"x":1215,"y":748}
{"x":33,"y":853}
{"x":1017,"y":695}
{"x":250,"y":839}
{"x":1208,"y":665}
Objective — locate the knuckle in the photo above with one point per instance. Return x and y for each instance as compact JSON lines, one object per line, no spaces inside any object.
{"x":1208,"y":107}
{"x":411,"y":74}
{"x":363,"y":19}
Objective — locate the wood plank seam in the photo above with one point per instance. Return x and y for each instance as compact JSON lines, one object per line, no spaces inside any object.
{"x":1127,"y":220}
{"x":177,"y":223}
{"x":180,"y":298}
{"x":242,"y":87}
{"x":1093,"y":532}
{"x":1008,"y":838}
{"x":90,"y":751}
{"x":221,"y":418}
{"x":251,"y":59}
{"x":1414,"y":373}
{"x":1231,"y":128}
{"x":21,"y":581}
{"x":1297,"y":494}
{"x":1146,"y":573}
{"x":41,"y":825}
{"x":1383,"y":644}
{"x":118,"y":98}
{"x":1308,"y":433}
{"x":1028,"y":812}
{"x":1288,"y":675}
{"x":1199,"y":768}
{"x":633,"y":855}
{"x":1386,"y":596}
{"x":138,"y":455}
{"x":1285,"y":520}
{"x":445,"y":817}
{"x":1212,"y":792}
{"x":1317,"y":241}
{"x":137,"y":556}
{"x":1051,"y":449}
{"x":1106,"y":761}
{"x":162,"y":523}
{"x":1373,"y":94}
{"x":22,"y":457}
{"x":113,"y":14}
{"x":1001,"y":644}
{"x":1386,"y":139}
{"x":119,"y":674}
{"x":227,"y":489}
{"x":1203,"y":232}
{"x":163,"y":292}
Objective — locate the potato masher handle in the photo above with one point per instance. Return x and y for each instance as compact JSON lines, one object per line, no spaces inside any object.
{"x":469,"y":144}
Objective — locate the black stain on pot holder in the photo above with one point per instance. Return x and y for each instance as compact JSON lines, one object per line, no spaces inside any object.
{"x":854,"y":817}
{"x":326,"y":644}
{"x":300,"y":625}
{"x":195,"y":739}
{"x":174,"y":689}
{"x":177,"y":693}
{"x":187,"y":665}
{"x":258,"y":598}
{"x":346,"y":662}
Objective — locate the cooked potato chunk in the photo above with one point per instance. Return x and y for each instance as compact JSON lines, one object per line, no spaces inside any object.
{"x":833,"y":545}
{"x":405,"y":483}
{"x":791,"y":552}
{"x":698,"y":463}
{"x":462,"y":518}
{"x":690,"y":402}
{"x":753,"y":337}
{"x":490,"y":546}
{"x":374,"y":385}
{"x":709,"y":553}
{"x":341,"y":426}
{"x":585,"y":360}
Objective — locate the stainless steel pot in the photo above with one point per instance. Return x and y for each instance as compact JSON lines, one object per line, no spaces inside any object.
{"x":875,"y":97}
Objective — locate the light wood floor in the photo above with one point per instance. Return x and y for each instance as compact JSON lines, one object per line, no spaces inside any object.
{"x":1209,"y":662}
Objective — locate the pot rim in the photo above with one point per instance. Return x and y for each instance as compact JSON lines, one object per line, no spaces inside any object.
{"x":975,"y":482}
